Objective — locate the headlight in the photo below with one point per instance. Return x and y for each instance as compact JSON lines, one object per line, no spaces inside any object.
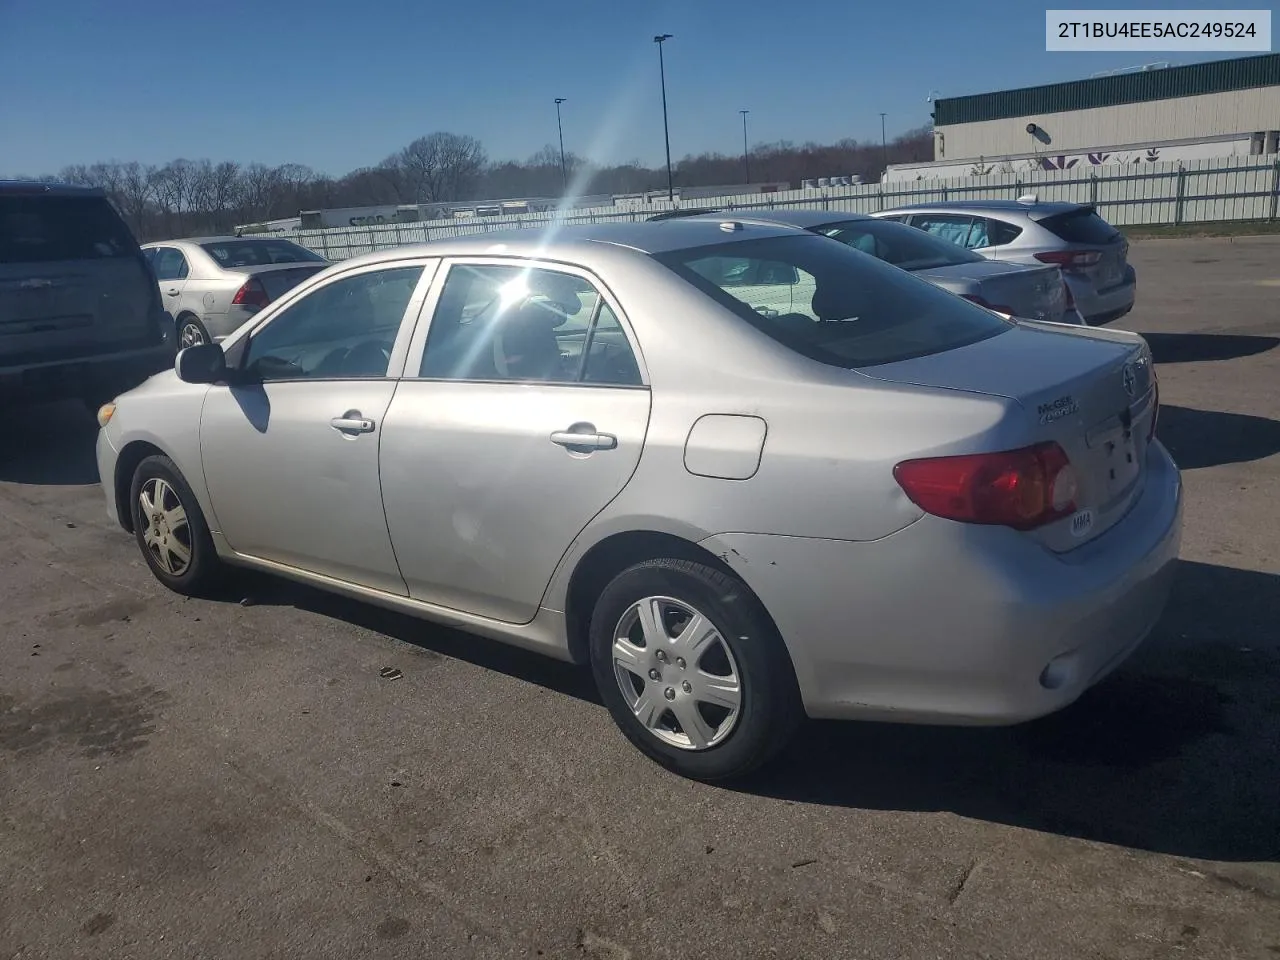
{"x":105,"y":413}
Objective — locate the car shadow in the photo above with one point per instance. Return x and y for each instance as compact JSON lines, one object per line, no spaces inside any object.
{"x":431,"y":638}
{"x":1175,"y":754}
{"x":1204,"y":347}
{"x":1208,"y":438}
{"x":50,"y":444}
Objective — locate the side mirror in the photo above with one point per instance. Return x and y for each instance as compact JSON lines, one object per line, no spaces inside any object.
{"x":202,"y":363}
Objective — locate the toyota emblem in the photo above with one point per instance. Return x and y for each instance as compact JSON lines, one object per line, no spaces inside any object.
{"x":1130,"y":380}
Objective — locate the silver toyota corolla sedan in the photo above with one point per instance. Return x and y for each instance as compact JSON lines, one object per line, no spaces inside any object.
{"x":212,"y":285}
{"x":592,"y":442}
{"x":1093,"y":255}
{"x":1013,"y":289}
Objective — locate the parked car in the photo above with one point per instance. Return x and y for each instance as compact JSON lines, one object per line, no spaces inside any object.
{"x":79,"y":314}
{"x":212,"y":285}
{"x":1093,"y":255}
{"x":1017,"y":290}
{"x":591,"y":442}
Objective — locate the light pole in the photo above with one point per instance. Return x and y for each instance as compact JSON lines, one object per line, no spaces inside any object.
{"x":660,"y":39}
{"x":884,"y":144}
{"x":746,"y":161}
{"x":564,"y":176}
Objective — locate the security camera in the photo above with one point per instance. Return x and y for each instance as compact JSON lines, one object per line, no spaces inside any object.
{"x":1032,"y":128}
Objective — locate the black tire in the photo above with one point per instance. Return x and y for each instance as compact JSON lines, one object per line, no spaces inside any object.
{"x":770,"y":709}
{"x":190,"y":320}
{"x":204,"y":571}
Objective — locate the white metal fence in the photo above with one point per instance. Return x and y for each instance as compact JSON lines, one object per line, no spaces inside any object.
{"x":1201,"y":191}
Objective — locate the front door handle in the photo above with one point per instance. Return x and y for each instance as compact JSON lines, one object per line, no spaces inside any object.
{"x":172,"y":293}
{"x":584,"y":441}
{"x":352,"y":422}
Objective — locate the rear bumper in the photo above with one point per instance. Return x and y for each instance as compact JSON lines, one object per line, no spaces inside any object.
{"x":956,"y":624}
{"x":222,"y":325}
{"x":1101,"y":306}
{"x":91,"y":376}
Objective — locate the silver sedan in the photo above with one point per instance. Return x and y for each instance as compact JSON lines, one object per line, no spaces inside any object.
{"x":882,"y":503}
{"x":212,"y":285}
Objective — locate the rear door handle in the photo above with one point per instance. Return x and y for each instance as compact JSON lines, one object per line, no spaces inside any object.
{"x":352,"y":423}
{"x":172,"y":293}
{"x":584,"y":441}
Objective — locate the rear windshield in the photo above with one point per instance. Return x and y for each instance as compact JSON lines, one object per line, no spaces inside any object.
{"x":258,"y":253}
{"x":40,"y":229}
{"x":828,"y":303}
{"x":905,"y":247}
{"x":1081,"y":226}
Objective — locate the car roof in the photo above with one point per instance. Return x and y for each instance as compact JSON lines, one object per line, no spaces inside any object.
{"x":585,"y":242}
{"x":199,"y":240}
{"x":796,"y":218}
{"x":40,"y":188}
{"x":1036,"y":211}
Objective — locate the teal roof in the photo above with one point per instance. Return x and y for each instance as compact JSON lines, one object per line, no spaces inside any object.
{"x":1215,"y":76}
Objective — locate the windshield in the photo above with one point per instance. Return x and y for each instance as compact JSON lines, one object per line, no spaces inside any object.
{"x":257,"y":253}
{"x":905,"y":247}
{"x":824,"y":301}
{"x":39,"y":229}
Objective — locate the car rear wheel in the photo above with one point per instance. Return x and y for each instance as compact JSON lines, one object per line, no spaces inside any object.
{"x":171,"y":530}
{"x":692,"y":669}
{"x":191,"y":332}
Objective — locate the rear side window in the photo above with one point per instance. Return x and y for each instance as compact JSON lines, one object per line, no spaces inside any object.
{"x":1081,"y":226}
{"x":257,"y":253}
{"x":999,"y":233}
{"x":42,"y":228}
{"x":896,"y":243}
{"x":828,"y":303}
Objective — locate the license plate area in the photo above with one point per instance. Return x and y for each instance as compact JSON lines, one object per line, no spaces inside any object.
{"x":1115,"y":452}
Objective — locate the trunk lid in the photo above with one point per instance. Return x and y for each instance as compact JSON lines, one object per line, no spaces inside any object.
{"x":1091,"y":391}
{"x":1082,"y":229}
{"x":1034,"y":293}
{"x":280,"y":279}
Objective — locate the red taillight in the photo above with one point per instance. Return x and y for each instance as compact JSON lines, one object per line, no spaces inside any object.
{"x":1070,"y":259}
{"x":1022,"y":489}
{"x":251,"y":294}
{"x":973,"y":298}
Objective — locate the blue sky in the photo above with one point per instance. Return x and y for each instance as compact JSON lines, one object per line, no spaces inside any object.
{"x":338,"y":85}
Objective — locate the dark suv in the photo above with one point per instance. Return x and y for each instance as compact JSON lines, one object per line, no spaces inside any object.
{"x":80,"y":312}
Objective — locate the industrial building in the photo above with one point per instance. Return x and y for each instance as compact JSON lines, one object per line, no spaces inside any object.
{"x":1155,"y":113}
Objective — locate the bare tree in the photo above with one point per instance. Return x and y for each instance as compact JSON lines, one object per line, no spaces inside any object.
{"x":187,"y":196}
{"x":441,"y":166}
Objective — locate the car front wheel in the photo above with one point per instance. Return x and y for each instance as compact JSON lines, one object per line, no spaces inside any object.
{"x":692,"y":669}
{"x":171,"y":530}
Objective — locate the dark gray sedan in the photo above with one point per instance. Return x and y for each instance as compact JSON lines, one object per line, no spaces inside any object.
{"x":1016,"y":290}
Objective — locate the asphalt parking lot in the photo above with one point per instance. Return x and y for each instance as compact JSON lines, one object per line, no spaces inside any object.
{"x":184,"y":778}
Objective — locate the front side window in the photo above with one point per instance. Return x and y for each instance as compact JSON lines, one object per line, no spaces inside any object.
{"x":905,"y":247}
{"x":170,"y":264}
{"x":844,"y":310}
{"x":508,"y":322}
{"x":345,"y":329}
